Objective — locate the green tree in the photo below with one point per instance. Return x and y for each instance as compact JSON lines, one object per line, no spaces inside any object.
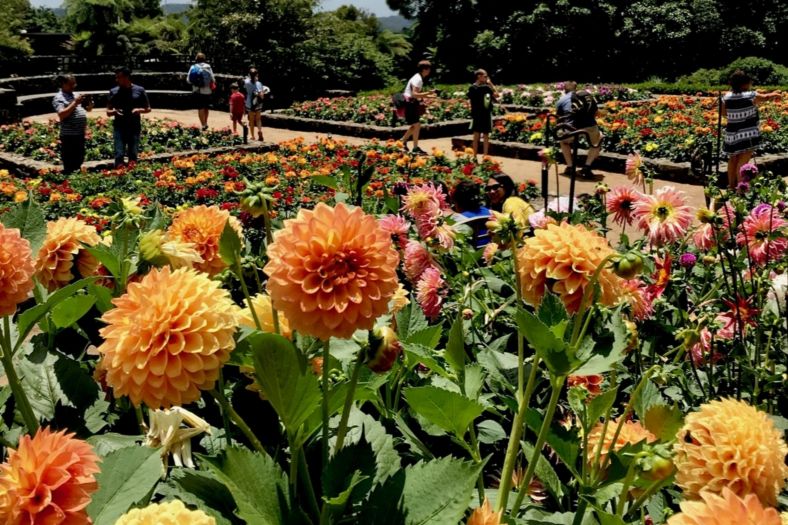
{"x":12,"y":45}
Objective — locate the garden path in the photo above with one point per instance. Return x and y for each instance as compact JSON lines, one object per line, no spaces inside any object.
{"x":519,"y":170}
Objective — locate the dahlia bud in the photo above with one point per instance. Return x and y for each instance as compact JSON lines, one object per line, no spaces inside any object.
{"x":655,"y":462}
{"x":689,"y":337}
{"x":253,"y":199}
{"x":688,"y":260}
{"x":632,"y":335}
{"x":384,"y":349}
{"x":601,"y":188}
{"x":467,"y":314}
{"x":709,"y":259}
{"x":705,"y":216}
{"x":628,"y":265}
{"x":150,"y":247}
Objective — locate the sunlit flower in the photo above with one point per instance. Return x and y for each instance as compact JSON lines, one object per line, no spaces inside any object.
{"x":704,"y":237}
{"x":592,"y":383}
{"x":264,"y":310}
{"x":664,"y":216}
{"x":489,"y":252}
{"x":430,"y":292}
{"x":173,"y":512}
{"x":49,"y":478}
{"x":396,"y":226}
{"x":634,"y":169}
{"x":168,"y":337}
{"x":484,"y":515}
{"x":562,"y":258}
{"x":621,"y":203}
{"x":332,"y":271}
{"x":399,"y":300}
{"x":424,"y":199}
{"x":166,"y":434}
{"x":725,"y":509}
{"x":63,"y":252}
{"x":416,"y":259}
{"x":701,"y":350}
{"x":761,"y":232}
{"x":636,"y":295}
{"x":16,"y":270}
{"x":202,"y":226}
{"x":739,"y":311}
{"x":731,"y":444}
{"x":632,"y":433}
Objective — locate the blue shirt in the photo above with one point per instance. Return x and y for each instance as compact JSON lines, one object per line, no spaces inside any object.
{"x":564,"y":105}
{"x":126,"y":100}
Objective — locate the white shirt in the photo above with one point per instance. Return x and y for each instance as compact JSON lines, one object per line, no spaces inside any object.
{"x":415,"y":82}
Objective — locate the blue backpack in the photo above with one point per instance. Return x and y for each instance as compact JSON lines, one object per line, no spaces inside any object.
{"x":197,"y":76}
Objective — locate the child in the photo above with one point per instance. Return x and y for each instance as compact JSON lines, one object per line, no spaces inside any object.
{"x":255,"y":93}
{"x":237,"y":107}
{"x":482,"y":94}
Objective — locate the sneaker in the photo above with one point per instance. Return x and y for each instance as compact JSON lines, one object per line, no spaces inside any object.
{"x":586,"y":172}
{"x":569,"y":171}
{"x":418,"y":151}
{"x":205,"y":127}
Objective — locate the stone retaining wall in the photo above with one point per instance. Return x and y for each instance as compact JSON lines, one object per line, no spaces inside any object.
{"x":24,"y":166}
{"x":616,"y":162}
{"x":278,"y":119}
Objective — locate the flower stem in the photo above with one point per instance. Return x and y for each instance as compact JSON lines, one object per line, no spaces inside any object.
{"x":269,"y":238}
{"x":23,"y":403}
{"x":342,"y":429}
{"x":245,"y":289}
{"x":558,"y":385}
{"x":324,"y":432}
{"x":622,"y":498}
{"x":236,"y":418}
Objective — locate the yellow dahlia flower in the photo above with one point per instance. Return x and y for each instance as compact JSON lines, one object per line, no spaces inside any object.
{"x":731,"y":444}
{"x":167,"y":338}
{"x":202,"y":226}
{"x":484,"y":515}
{"x":173,"y":512}
{"x":728,"y":509}
{"x":264,"y":311}
{"x":332,"y":271}
{"x":63,"y":250}
{"x":563,"y":258}
{"x":632,"y":432}
{"x":16,"y":270}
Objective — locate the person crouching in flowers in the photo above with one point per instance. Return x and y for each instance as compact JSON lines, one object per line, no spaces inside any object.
{"x":466,"y":199}
{"x":742,"y":131}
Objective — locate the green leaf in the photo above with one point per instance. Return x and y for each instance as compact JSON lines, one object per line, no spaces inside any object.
{"x":348,"y":476}
{"x":545,"y":472}
{"x":108,"y":258}
{"x":28,"y":218}
{"x":429,"y":337}
{"x":30,"y":317}
{"x":450,"y":411}
{"x":663,"y":421}
{"x":104,"y":444}
{"x":71,"y":310}
{"x":80,"y":389}
{"x":566,"y":444}
{"x":551,"y":349}
{"x":96,"y":416}
{"x":416,"y":354}
{"x":384,"y":505}
{"x":609,"y":519}
{"x":438,"y":492}
{"x":256,"y":482}
{"x":551,"y":310}
{"x":649,"y":396}
{"x":37,"y":371}
{"x":474,"y":381}
{"x":490,"y":431}
{"x":127,"y":478}
{"x":229,"y":245}
{"x":284,"y":379}
{"x":387,"y":459}
{"x":601,"y":359}
{"x":410,"y":320}
{"x":325,"y":180}
{"x":455,"y":347}
{"x":103,"y":297}
{"x":599,"y":406}
{"x":196,"y":491}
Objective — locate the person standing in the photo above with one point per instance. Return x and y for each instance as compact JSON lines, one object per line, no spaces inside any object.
{"x":203,"y":83}
{"x":255,"y":93}
{"x":482,"y":95}
{"x":71,"y":109}
{"x":127,"y":101}
{"x":237,"y":106}
{"x":742,"y":130}
{"x":577,"y":111}
{"x":414,"y":104}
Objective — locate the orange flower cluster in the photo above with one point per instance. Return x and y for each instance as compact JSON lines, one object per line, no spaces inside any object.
{"x":332,"y":271}
{"x":49,"y":478}
{"x":727,"y":509}
{"x":167,"y":338}
{"x":264,"y":310}
{"x":16,"y":270}
{"x":562,"y":258}
{"x":173,"y":512}
{"x":63,"y":251}
{"x":632,"y":432}
{"x":202,"y":226}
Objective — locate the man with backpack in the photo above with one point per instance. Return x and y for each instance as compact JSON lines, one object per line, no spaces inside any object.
{"x":577,"y":111}
{"x":203,"y":83}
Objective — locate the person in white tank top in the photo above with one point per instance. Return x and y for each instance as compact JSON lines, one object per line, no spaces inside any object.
{"x":414,"y":97}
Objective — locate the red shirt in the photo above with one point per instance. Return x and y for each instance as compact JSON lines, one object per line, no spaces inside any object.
{"x":237,"y":103}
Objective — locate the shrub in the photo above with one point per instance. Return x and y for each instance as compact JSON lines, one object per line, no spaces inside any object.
{"x":762,"y":71}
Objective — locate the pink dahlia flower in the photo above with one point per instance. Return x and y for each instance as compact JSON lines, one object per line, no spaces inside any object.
{"x":664,"y":216}
{"x":430,"y":292}
{"x":762,"y":232}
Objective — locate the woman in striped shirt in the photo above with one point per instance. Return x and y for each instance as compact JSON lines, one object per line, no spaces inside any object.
{"x":742,"y":130}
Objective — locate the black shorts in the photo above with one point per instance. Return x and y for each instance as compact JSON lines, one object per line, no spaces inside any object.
{"x":412,"y":112}
{"x":201,"y":101}
{"x":481,"y":124}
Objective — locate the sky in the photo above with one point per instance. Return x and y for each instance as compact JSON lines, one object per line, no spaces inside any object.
{"x":377,"y":7}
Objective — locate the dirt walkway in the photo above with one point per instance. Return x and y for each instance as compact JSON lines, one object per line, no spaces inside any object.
{"x":519,"y":170}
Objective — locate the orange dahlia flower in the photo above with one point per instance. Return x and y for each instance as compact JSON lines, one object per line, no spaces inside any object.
{"x":728,"y":509}
{"x":63,"y":249}
{"x":49,"y":478}
{"x":16,"y":270}
{"x":484,"y":515}
{"x":563,"y":258}
{"x":731,"y":444}
{"x":173,"y":512}
{"x":632,"y":432}
{"x":332,"y":271}
{"x":167,"y":338}
{"x":264,"y":310}
{"x":202,"y":226}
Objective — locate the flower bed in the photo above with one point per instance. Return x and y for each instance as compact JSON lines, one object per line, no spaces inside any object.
{"x":546,"y":95}
{"x":671,"y":127}
{"x":307,"y":336}
{"x":40,"y":141}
